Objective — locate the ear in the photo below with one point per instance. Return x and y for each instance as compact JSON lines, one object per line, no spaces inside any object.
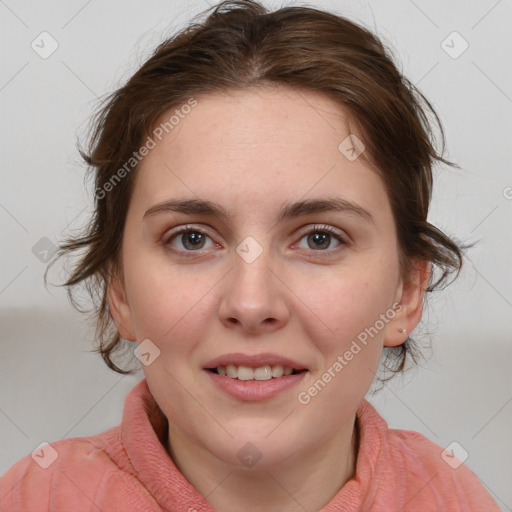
{"x":119,"y":307}
{"x":410,"y":295}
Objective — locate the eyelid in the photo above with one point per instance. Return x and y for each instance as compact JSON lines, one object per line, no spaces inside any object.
{"x":183,"y":229}
{"x":310,"y":228}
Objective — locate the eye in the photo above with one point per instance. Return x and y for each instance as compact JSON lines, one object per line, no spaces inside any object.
{"x":188,"y":239}
{"x":320,"y":237}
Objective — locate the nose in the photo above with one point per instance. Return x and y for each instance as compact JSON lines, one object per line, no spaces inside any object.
{"x":254,"y":296}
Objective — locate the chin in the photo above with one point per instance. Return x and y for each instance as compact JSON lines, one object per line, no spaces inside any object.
{"x":256,"y":446}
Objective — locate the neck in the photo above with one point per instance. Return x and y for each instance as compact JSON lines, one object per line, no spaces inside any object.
{"x":307,"y":481}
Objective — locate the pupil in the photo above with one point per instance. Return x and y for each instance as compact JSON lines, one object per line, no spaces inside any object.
{"x":320,"y":237}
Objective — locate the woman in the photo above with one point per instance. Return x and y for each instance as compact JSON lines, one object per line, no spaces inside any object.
{"x":261,"y":236}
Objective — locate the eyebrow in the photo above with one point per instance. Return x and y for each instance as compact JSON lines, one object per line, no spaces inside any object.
{"x":289,"y":211}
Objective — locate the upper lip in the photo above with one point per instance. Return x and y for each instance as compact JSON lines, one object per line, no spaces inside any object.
{"x":254,"y":361}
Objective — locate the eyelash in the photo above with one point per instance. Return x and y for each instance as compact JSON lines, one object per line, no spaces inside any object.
{"x":317,"y":228}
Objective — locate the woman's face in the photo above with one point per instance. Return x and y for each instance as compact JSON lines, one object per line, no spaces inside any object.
{"x":266,"y":285}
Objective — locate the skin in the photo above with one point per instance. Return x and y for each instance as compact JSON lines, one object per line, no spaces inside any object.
{"x":253,"y":152}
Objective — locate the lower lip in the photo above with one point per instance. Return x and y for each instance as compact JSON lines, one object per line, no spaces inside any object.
{"x":253,"y":390}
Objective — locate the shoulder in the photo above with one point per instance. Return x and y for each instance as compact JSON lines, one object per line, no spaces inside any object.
{"x":436,"y":474}
{"x":69,"y":474}
{"x":414,"y":472}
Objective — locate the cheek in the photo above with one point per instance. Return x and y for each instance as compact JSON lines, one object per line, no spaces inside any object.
{"x":337,"y":308}
{"x":165,"y":303}
{"x":348,"y":333}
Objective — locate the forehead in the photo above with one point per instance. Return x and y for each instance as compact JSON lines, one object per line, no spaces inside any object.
{"x":235,"y":124}
{"x":254,"y":148}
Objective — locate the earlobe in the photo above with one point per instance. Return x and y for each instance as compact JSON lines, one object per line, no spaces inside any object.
{"x":409,"y":312}
{"x":120,"y":309}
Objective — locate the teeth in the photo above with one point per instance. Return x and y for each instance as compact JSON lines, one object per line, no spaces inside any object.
{"x":262,"y":373}
{"x":277,"y":370}
{"x":266,"y":372}
{"x":245,"y":373}
{"x":232,"y":371}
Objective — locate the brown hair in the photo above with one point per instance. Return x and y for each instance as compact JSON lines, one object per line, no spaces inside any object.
{"x":241,"y":45}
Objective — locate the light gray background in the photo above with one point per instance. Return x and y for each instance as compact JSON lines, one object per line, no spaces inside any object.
{"x":52,"y":387}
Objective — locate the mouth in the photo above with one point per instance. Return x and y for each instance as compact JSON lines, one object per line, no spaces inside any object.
{"x":260,"y":373}
{"x":255,"y":377}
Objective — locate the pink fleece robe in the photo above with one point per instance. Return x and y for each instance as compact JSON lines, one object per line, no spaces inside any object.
{"x":127,"y":468}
